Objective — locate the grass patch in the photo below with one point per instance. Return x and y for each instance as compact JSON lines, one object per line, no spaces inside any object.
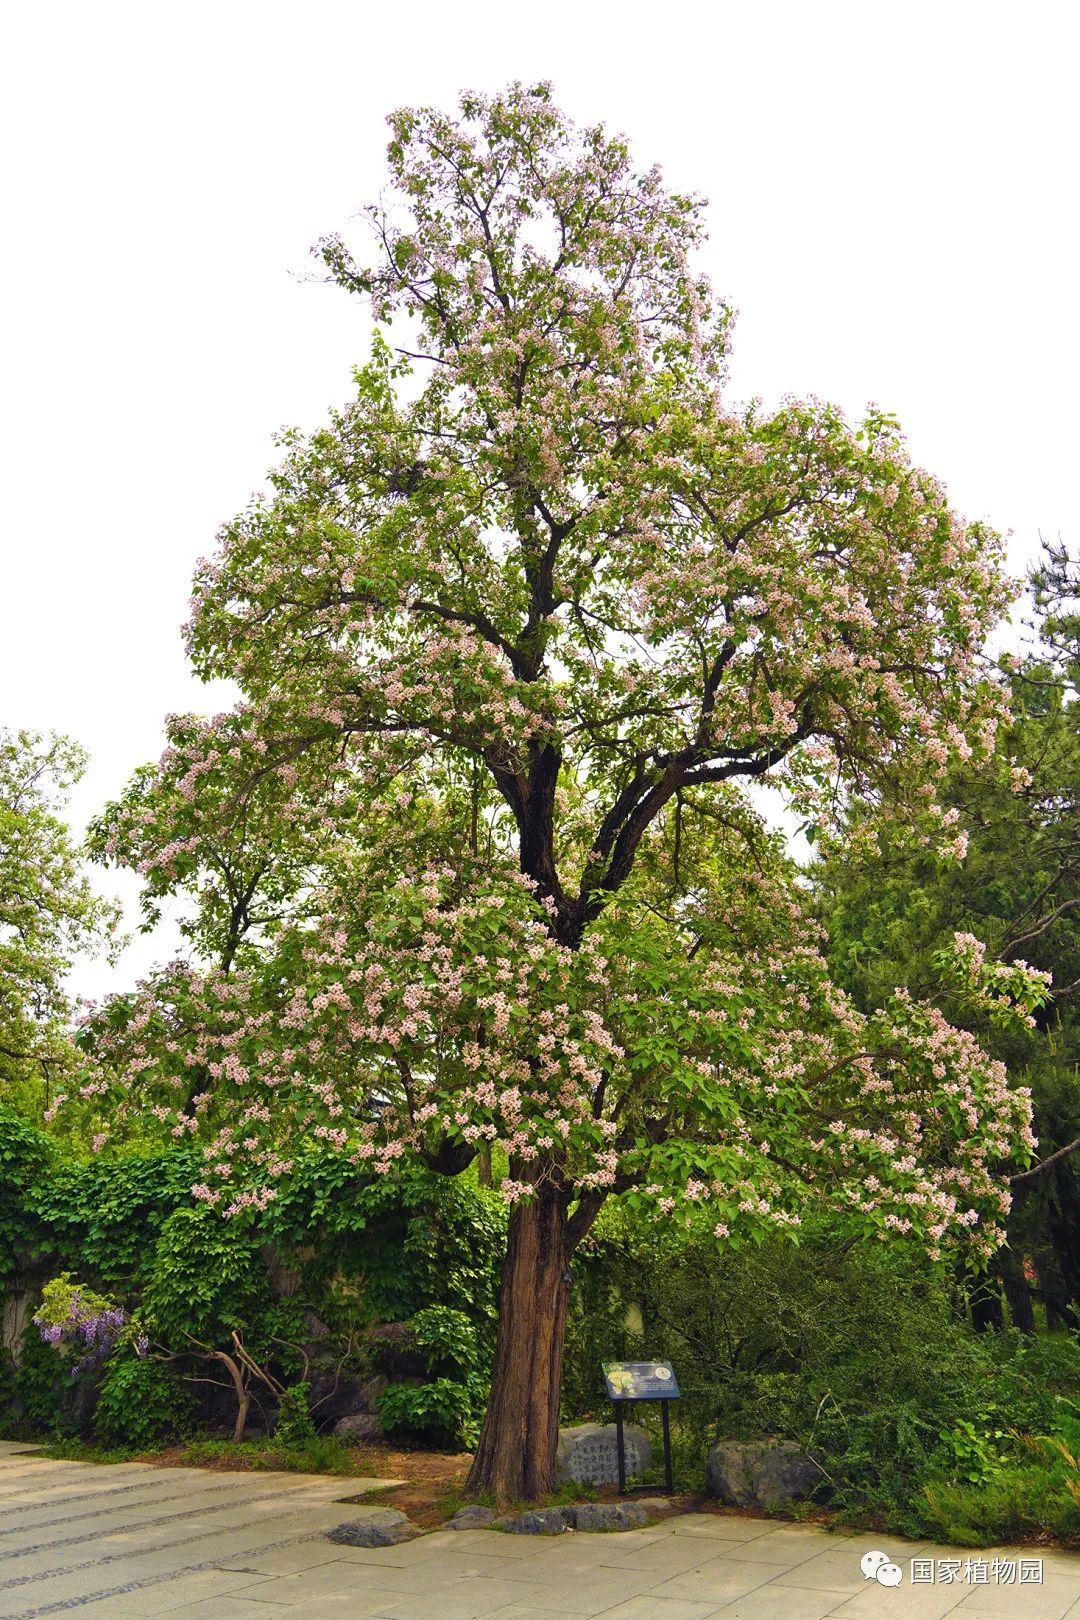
{"x":84,"y":1451}
{"x":324,"y":1454}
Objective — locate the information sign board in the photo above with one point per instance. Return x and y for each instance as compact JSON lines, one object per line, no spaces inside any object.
{"x":640,"y":1380}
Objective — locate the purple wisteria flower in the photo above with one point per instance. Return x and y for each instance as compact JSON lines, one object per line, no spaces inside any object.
{"x":79,"y":1319}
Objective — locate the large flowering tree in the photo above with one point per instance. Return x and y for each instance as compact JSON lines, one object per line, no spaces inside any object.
{"x":473,"y":857}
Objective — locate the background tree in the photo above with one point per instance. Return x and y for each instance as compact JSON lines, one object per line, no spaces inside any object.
{"x":48,"y":914}
{"x":889,"y":910}
{"x":534,"y":609}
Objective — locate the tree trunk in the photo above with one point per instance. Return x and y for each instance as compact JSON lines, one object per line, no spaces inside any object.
{"x":986,"y":1305}
{"x":483,"y":1165}
{"x":1016,"y":1289}
{"x":515,"y":1459}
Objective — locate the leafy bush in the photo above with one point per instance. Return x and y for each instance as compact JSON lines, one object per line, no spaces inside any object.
{"x":865,"y":1357}
{"x":381,"y":1249}
{"x":295,"y":1425}
{"x":972,"y":1452}
{"x":45,"y":1396}
{"x":101,"y":1217}
{"x":447,"y":1409}
{"x":448,"y":1338}
{"x":351,"y":1251}
{"x":140,"y":1403}
{"x":443,"y":1412}
{"x":1033,"y":1490}
{"x":27,"y":1161}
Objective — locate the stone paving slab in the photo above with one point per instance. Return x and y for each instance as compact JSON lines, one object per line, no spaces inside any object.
{"x":178,"y":1596}
{"x":519,"y":1611}
{"x":185,"y":1512}
{"x":1050,"y":1601}
{"x":135,"y":1541}
{"x":650,"y":1607}
{"x":788,"y":1603}
{"x":227,"y":1608}
{"x":918,"y":1602}
{"x":716,"y":1583}
{"x":736,"y":1528}
{"x":158,"y":1547}
{"x":464,"y":1600}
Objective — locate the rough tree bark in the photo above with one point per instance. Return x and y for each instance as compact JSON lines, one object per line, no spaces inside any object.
{"x":515,"y":1458}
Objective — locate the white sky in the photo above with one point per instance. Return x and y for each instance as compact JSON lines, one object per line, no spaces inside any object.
{"x":893,"y":196}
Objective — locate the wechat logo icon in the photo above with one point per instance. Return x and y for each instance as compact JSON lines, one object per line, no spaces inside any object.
{"x":878,"y":1566}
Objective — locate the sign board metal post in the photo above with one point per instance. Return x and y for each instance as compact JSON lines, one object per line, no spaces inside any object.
{"x":635,"y":1381}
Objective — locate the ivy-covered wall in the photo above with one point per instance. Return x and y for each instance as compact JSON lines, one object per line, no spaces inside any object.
{"x":326,"y":1263}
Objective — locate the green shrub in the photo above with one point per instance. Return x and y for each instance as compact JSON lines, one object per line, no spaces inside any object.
{"x":1020,"y":1502}
{"x":379,"y":1250}
{"x":1039,"y":1491}
{"x":443,"y":1412}
{"x":295,"y":1425}
{"x":45,"y":1393}
{"x":449,"y":1340}
{"x":101,"y":1216}
{"x":140,"y":1403}
{"x":448,"y":1408}
{"x":12,"y":1427}
{"x":27,"y":1163}
{"x":863,"y":1356}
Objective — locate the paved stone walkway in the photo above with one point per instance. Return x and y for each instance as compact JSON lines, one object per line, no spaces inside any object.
{"x":131,"y":1540}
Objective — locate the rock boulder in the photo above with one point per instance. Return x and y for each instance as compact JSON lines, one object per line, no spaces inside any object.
{"x":359,"y":1427}
{"x":757,"y":1473}
{"x":380,"y":1527}
{"x":610,"y":1516}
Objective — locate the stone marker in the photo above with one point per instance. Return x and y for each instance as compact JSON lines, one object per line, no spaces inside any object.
{"x":589,"y":1453}
{"x":757,"y":1473}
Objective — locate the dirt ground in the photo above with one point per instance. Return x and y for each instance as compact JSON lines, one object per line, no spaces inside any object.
{"x":434,"y":1478}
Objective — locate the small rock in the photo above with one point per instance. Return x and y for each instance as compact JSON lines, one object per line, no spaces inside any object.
{"x":371,"y":1388}
{"x":758,"y":1473}
{"x":381,"y":1527}
{"x":541,"y":1522}
{"x":655,"y":1504}
{"x":610,"y":1515}
{"x":359,"y":1426}
{"x":397,"y":1350}
{"x":472,"y":1518}
{"x":335,"y":1394}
